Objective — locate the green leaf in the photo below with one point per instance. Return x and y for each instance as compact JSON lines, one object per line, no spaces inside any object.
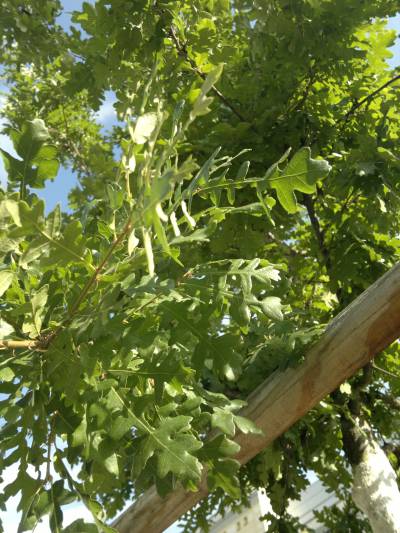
{"x":115,"y":196}
{"x":12,"y":208}
{"x":160,"y":232}
{"x":144,"y":128}
{"x":212,"y":78}
{"x":223,"y":420}
{"x":33,"y":135}
{"x":200,"y":106}
{"x":38,"y":303}
{"x":5,"y":329}
{"x":120,"y":426}
{"x":172,"y":443}
{"x":33,"y":325}
{"x":240,"y":312}
{"x":54,"y":248}
{"x":223,"y":475}
{"x":6,"y":278}
{"x":246,"y":426}
{"x":133,"y":241}
{"x":157,"y":193}
{"x":79,"y":436}
{"x":53,"y":222}
{"x":198,"y":235}
{"x":6,"y":374}
{"x":30,"y":491}
{"x":92,"y":505}
{"x":243,"y":170}
{"x":71,"y":247}
{"x":301,"y":174}
{"x":111,"y":464}
{"x":174,"y":446}
{"x":217,"y":447}
{"x":80,"y":526}
{"x":272,"y":307}
{"x":39,"y":160}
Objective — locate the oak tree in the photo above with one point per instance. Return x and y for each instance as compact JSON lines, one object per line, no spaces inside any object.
{"x":248,"y":193}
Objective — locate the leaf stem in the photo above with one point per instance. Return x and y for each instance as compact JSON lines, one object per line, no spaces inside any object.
{"x":92,"y":280}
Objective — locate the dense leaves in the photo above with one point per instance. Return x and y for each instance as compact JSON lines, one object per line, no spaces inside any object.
{"x":199,"y":254}
{"x":38,"y":160}
{"x":138,"y":348}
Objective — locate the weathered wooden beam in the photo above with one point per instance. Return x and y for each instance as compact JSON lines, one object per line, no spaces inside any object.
{"x":352,"y":339}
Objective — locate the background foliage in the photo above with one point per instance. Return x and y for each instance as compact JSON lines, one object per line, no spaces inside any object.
{"x":203,"y":257}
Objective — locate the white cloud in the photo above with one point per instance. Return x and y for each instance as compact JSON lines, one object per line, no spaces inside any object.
{"x":106,"y":112}
{"x":107,"y":115}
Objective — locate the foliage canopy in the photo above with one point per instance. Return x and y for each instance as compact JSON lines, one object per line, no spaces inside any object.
{"x":249,"y":192}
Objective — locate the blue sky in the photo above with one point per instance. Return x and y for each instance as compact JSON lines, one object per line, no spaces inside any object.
{"x":57,"y":192}
{"x":395,"y":24}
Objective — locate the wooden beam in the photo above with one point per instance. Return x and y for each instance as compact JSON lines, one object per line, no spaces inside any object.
{"x":351,"y":340}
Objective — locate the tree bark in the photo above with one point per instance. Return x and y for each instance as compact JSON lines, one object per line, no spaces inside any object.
{"x":375,"y":491}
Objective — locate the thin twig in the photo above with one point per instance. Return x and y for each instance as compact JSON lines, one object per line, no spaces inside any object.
{"x":369,"y":97}
{"x":383,"y":371}
{"x":95,"y":276}
{"x":181,"y":48}
{"x":319,"y":232}
{"x":289,"y":249}
{"x":43,"y":343}
{"x":70,"y":142}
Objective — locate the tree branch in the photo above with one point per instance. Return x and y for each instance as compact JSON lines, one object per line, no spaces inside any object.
{"x":37,"y":344}
{"x":43,"y":343}
{"x":369,"y":97}
{"x":92,"y":280}
{"x":319,"y":232}
{"x":181,"y":48}
{"x":386,"y":372}
{"x":288,"y":250}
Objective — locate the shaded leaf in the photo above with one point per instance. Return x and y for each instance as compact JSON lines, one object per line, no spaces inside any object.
{"x":300,"y":174}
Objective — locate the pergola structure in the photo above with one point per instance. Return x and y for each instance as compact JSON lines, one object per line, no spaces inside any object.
{"x":352,"y":339}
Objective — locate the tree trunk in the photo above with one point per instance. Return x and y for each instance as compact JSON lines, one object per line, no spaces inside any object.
{"x":375,"y":491}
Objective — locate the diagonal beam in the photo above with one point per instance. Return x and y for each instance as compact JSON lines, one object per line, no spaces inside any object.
{"x":351,"y":340}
